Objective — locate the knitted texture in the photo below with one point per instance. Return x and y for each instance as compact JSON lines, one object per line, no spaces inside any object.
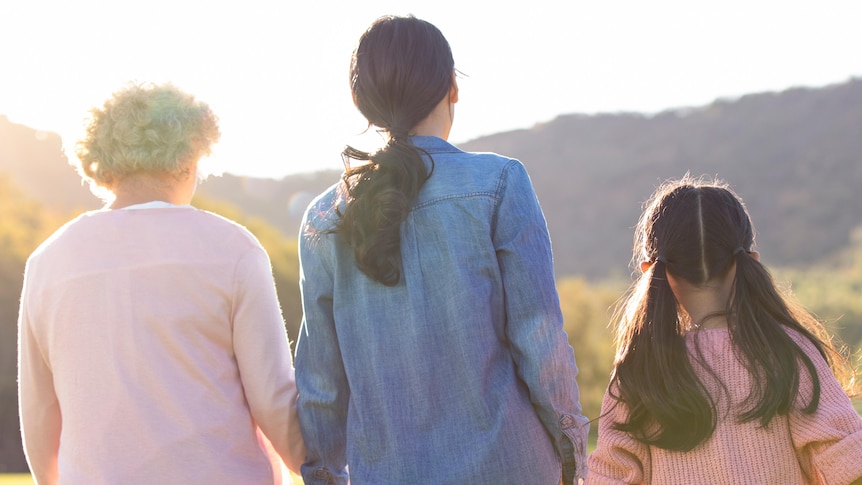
{"x":823,"y":447}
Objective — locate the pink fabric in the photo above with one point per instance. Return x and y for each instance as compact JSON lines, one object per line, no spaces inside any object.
{"x":825,"y":447}
{"x":151,"y":350}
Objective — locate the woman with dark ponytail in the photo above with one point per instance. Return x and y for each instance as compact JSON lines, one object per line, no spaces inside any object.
{"x":432,"y":347}
{"x":719,"y":378}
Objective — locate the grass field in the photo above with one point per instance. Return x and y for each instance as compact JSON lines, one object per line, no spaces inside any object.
{"x":24,"y":479}
{"x":15,"y":479}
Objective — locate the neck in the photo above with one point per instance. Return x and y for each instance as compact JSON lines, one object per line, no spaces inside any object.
{"x":705,"y":304}
{"x":141,"y":188}
{"x":716,"y":319}
{"x":438,"y":123}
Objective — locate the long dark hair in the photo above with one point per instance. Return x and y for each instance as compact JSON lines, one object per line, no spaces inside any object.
{"x":696,"y":230}
{"x":400,"y":71}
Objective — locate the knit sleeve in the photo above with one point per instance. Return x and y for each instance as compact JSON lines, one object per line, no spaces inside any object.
{"x":618,"y":458}
{"x":828,"y":442}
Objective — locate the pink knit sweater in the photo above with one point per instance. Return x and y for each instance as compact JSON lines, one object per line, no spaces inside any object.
{"x":152,"y":350}
{"x":824,"y":447}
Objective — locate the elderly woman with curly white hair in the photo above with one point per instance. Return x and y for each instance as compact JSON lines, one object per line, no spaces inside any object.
{"x":152,"y":347}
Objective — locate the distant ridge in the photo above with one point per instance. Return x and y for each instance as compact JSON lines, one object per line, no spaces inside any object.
{"x":36,"y":163}
{"x":795,"y":157}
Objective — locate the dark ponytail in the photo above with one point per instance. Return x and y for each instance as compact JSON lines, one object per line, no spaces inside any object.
{"x":400,"y":71}
{"x":772,"y":357}
{"x":657,"y":380}
{"x":379,"y":195}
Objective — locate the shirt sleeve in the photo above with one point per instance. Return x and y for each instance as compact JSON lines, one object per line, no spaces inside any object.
{"x":829,"y":441}
{"x":39,"y":409}
{"x":618,"y":458}
{"x":539,"y":345}
{"x":263,"y":356}
{"x":324,"y":391}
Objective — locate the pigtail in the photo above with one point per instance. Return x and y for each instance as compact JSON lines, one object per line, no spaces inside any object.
{"x":771,"y":355}
{"x":668,"y":405}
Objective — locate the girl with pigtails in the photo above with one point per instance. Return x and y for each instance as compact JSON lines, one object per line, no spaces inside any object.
{"x":432,"y":347}
{"x":719,"y":377}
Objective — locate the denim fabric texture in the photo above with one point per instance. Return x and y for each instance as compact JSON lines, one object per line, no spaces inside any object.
{"x":462,"y":372}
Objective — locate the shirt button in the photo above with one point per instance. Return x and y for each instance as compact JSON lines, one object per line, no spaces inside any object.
{"x":567,"y":422}
{"x":321,"y":474}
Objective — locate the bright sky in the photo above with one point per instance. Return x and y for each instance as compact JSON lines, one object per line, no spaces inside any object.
{"x":275,"y":71}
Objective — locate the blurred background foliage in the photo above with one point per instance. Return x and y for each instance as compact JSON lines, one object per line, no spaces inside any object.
{"x":795,"y":157}
{"x":831,"y":290}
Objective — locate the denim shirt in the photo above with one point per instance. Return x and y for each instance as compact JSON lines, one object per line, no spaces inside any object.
{"x":462,"y":372}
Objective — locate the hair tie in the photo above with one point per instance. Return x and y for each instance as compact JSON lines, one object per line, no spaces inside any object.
{"x":738,"y":250}
{"x":397,"y":136}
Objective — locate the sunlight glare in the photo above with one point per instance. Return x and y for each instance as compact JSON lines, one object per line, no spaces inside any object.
{"x":276,"y":73}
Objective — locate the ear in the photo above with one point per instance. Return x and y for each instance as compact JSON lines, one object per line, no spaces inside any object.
{"x":453,"y":90}
{"x":646,"y":265}
{"x":754,"y":255}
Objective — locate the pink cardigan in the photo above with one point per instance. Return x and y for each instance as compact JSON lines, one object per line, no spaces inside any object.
{"x":825,"y":447}
{"x":152,"y":350}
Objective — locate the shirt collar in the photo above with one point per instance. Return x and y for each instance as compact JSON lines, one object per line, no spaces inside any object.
{"x":433,"y":144}
{"x":155,"y":204}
